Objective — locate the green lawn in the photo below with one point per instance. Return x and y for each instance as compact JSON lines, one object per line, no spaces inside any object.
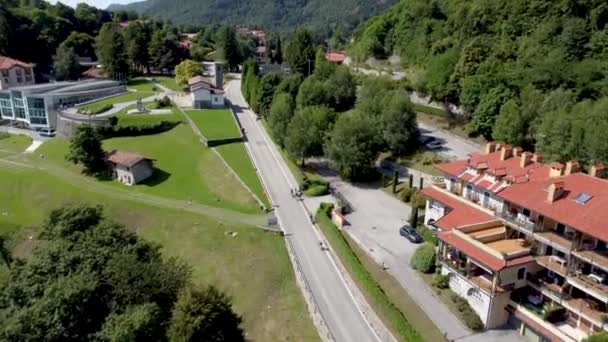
{"x":187,"y":169}
{"x":251,"y":267}
{"x":168,"y":82}
{"x":215,"y":123}
{"x":125,"y":119}
{"x":394,"y":306}
{"x":142,"y":84}
{"x":14,"y":143}
{"x":236,"y":156}
{"x":131,"y":96}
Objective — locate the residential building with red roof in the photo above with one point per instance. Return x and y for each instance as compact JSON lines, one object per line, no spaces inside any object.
{"x":337,"y":57}
{"x":208,"y":92}
{"x":521,"y":238}
{"x":130,"y":168}
{"x":15,"y":73}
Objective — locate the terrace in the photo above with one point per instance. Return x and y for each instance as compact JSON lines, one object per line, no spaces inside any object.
{"x":595,"y":258}
{"x":519,"y":221}
{"x":558,"y":241}
{"x":589,"y":284}
{"x":553,"y":263}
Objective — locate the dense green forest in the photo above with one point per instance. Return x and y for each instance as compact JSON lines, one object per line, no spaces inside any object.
{"x":529,"y":72}
{"x":54,"y":37}
{"x":285,"y":15}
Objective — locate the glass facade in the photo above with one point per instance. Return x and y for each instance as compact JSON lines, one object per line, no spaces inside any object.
{"x":37,"y":111}
{"x":6,"y":110}
{"x":18,"y":105}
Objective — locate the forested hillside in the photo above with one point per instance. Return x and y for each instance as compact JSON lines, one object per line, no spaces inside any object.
{"x":530,"y":72}
{"x":275,"y":15}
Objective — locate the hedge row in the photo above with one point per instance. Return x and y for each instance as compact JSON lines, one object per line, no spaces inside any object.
{"x":470,"y":317}
{"x":423,"y":259}
{"x":97,"y":110}
{"x":133,"y":131}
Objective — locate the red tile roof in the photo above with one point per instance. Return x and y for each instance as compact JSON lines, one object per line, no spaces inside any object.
{"x":125,"y":158}
{"x":510,"y":166}
{"x":590,"y":218}
{"x":336,"y":56}
{"x":7,"y":63}
{"x":454,"y":168}
{"x":479,"y":255}
{"x":460,"y":214}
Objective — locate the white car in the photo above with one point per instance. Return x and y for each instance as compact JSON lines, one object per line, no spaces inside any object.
{"x":46,"y":132}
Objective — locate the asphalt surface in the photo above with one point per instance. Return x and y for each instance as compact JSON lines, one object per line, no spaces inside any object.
{"x":335,"y":301}
{"x":454,"y":147}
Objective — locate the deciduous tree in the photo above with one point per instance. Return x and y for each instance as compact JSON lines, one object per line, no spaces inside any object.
{"x":185,"y":70}
{"x":65,"y":64}
{"x":85,"y":149}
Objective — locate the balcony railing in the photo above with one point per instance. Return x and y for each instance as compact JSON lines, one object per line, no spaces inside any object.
{"x":594,"y":258}
{"x":561,"y":242}
{"x":519,"y":221}
{"x":553,"y":263}
{"x":590,"y":285}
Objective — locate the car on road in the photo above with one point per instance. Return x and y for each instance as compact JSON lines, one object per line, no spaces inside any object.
{"x":429,"y":142}
{"x":46,"y":132}
{"x":410,"y":234}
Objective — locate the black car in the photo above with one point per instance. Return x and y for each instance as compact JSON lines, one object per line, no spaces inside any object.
{"x":410,"y":234}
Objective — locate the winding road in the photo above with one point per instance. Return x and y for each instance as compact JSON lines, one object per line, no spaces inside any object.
{"x":339,"y":309}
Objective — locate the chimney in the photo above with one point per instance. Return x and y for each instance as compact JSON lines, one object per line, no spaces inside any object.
{"x":597,"y":170}
{"x":537,"y":157}
{"x":525,"y":158}
{"x":490,"y":147}
{"x":554,"y":191}
{"x":219,"y":75}
{"x":556,"y":170}
{"x":572,"y":167}
{"x":505,"y":152}
{"x":517,"y":151}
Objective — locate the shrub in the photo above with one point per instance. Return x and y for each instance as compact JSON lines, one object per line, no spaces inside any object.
{"x":133,"y":131}
{"x":93,"y":111}
{"x":317,"y":190}
{"x":427,"y":235}
{"x":441,"y":281}
{"x":418,"y":200}
{"x":472,"y":320}
{"x":554,"y":313}
{"x":407,"y":193}
{"x":163,"y":102}
{"x":460,"y":303}
{"x":424,"y":258}
{"x":326,"y":208}
{"x":600,"y":337}
{"x":154,"y":88}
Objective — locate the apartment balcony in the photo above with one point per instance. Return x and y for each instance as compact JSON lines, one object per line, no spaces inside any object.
{"x":534,"y":316}
{"x":557,"y":241}
{"x":546,"y":286}
{"x":553,"y":263}
{"x":586,"y":308}
{"x":482,"y":282}
{"x":595,"y":258}
{"x":519,"y":221}
{"x":590,"y":284}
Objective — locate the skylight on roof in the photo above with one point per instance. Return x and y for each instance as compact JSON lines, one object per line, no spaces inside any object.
{"x":582,"y":198}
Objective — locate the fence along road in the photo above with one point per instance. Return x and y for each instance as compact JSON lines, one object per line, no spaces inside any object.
{"x":338,"y":309}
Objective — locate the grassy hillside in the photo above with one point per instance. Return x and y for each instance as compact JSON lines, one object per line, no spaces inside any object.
{"x":522,"y":69}
{"x":285,"y":15}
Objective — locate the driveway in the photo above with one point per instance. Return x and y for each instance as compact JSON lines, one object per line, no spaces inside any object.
{"x":454,"y":147}
{"x":375,"y":221}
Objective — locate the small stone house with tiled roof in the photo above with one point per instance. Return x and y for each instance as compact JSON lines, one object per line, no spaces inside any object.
{"x":208,"y":92}
{"x":15,"y":73}
{"x":129,"y":168}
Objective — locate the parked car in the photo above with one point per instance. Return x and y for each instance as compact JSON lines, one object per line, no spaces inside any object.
{"x":410,"y":234}
{"x":46,"y":132}
{"x":431,"y":143}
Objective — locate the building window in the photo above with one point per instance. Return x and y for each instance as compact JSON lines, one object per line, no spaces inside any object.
{"x":521,"y":273}
{"x":19,"y":79}
{"x":18,"y":72}
{"x":5,"y":73}
{"x":28,"y":78}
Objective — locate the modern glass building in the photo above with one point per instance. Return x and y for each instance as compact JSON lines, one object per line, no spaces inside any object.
{"x":37,"y":105}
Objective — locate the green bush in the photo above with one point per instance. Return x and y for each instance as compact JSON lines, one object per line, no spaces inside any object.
{"x":424,"y":258}
{"x":472,"y":320}
{"x":469,"y":316}
{"x":600,"y":337}
{"x":317,"y":190}
{"x":427,"y":235}
{"x":407,"y":193}
{"x":326,"y":208}
{"x":93,"y":111}
{"x":163,"y":102}
{"x":418,"y":200}
{"x":440,"y":281}
{"x":554,"y":313}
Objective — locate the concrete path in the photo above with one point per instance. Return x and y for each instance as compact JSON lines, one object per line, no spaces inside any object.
{"x":34,"y":146}
{"x":37,"y":140}
{"x":335,"y":302}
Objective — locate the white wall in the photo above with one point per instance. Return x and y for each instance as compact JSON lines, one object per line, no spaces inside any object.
{"x":12,"y":78}
{"x":479,"y":300}
{"x":217,"y":100}
{"x":434,"y":211}
{"x":123,"y":176}
{"x":134,"y":175}
{"x":201,"y":95}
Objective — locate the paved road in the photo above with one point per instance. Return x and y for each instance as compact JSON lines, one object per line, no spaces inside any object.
{"x":336,"y":303}
{"x":454,"y":147}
